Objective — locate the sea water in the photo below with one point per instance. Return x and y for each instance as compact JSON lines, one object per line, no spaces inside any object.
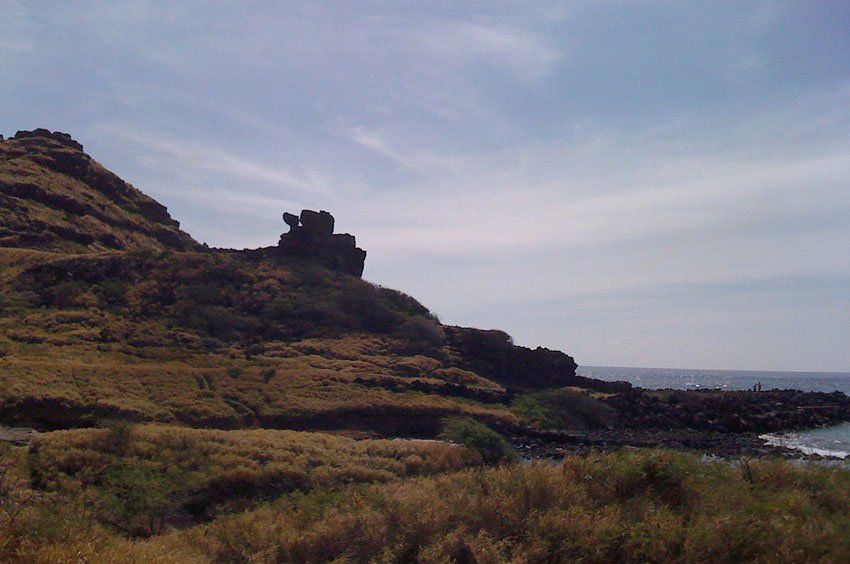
{"x":831,"y":441}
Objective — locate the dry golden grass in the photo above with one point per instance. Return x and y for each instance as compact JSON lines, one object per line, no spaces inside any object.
{"x":211,"y":390}
{"x":652,"y":506}
{"x":71,"y":514}
{"x":99,"y":355}
{"x":289,"y":460}
{"x":219,"y":339}
{"x":57,"y":198}
{"x":14,"y":261}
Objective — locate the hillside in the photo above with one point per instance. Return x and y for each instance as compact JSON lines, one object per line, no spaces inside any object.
{"x":110,"y":311}
{"x":161,"y":401}
{"x":53,"y":196}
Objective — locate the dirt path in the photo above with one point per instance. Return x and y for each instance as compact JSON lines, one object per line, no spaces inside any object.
{"x":17,"y":435}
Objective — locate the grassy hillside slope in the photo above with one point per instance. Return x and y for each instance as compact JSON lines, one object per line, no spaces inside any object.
{"x":54,"y":196}
{"x":109,"y":311}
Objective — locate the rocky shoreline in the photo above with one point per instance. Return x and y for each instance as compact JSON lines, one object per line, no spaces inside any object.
{"x":726,"y":424}
{"x":768,"y":411}
{"x":724,"y":445}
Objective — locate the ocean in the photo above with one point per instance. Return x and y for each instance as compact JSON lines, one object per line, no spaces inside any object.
{"x":832,"y":441}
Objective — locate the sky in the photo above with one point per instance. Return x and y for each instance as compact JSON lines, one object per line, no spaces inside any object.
{"x":636,"y":183}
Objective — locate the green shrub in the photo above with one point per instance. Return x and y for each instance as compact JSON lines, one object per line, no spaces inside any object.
{"x":136,"y":496}
{"x":111,"y":292}
{"x":564,"y":409}
{"x":117,"y":440}
{"x":365,"y":309}
{"x":404,"y":303}
{"x":221,"y":322}
{"x":423,"y":333}
{"x":477,"y":436}
{"x":64,"y":294}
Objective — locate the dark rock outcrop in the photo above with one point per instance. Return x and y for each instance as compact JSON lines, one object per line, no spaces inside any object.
{"x":493,"y":355}
{"x":291,"y":220}
{"x":311,"y":236}
{"x":62,"y":138}
{"x":730,"y":411}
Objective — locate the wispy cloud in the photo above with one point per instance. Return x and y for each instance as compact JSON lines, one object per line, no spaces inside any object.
{"x":249,"y":204}
{"x":375,"y":141}
{"x":526,"y":54}
{"x":580,"y":157}
{"x":190,"y":157}
{"x":493,"y":204}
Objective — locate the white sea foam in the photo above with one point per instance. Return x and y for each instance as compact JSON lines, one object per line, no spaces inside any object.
{"x":808,"y":444}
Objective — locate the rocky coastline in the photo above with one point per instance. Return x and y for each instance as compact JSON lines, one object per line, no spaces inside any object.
{"x":727,"y":424}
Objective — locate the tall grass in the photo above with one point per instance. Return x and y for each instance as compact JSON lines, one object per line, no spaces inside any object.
{"x":651,"y":506}
{"x":146,"y":476}
{"x":648,"y":506}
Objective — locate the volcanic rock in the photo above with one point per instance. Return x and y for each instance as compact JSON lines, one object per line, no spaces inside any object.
{"x":291,"y":220}
{"x":311,"y":236}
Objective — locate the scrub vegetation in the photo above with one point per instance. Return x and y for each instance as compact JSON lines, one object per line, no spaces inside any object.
{"x":220,"y":340}
{"x":147,"y":477}
{"x":208,"y":405}
{"x":649,"y":506}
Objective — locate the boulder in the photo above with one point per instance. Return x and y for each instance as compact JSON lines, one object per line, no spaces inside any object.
{"x":291,"y":220}
{"x":317,"y":224}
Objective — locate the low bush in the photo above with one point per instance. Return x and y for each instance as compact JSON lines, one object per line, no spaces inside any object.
{"x":474,"y":435}
{"x":423,"y":334}
{"x":118,"y":436}
{"x":564,"y":409}
{"x":138,"y":497}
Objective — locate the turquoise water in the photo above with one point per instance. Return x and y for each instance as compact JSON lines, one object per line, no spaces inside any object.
{"x":830,"y":441}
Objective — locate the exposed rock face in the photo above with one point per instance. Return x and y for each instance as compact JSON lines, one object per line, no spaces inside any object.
{"x":312,"y":236}
{"x":63,"y":138}
{"x":493,"y":355}
{"x":291,"y":220}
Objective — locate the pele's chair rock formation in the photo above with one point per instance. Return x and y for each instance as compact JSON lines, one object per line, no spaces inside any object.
{"x":311,"y":236}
